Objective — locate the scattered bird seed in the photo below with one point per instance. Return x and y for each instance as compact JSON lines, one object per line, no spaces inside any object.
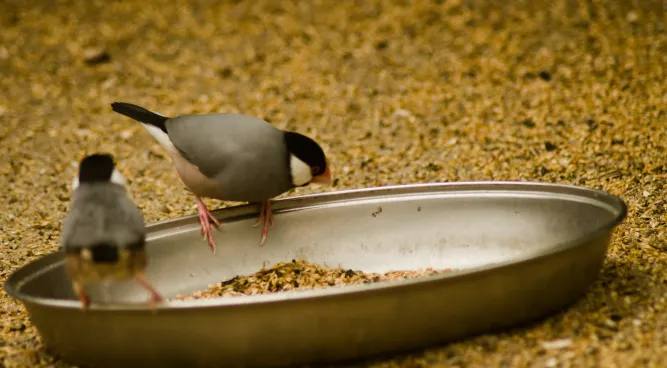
{"x":94,"y":56}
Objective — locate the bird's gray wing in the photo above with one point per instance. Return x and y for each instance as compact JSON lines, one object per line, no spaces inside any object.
{"x":246,"y":156}
{"x":102,"y":214}
{"x":213,"y":141}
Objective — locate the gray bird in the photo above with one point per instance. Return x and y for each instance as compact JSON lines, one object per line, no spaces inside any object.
{"x":233,"y":157}
{"x":103,"y":234}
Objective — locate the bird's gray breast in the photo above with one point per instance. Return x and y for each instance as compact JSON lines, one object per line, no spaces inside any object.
{"x":246,"y":156}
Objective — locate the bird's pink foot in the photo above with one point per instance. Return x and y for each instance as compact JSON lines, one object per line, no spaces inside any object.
{"x":265,"y":216}
{"x":205,"y":219}
{"x":155,"y":296}
{"x":83,"y":296}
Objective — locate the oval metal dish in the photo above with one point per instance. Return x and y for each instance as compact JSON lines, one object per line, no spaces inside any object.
{"x":523,"y":250}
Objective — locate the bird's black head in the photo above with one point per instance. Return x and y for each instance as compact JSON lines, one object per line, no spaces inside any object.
{"x":308,"y":151}
{"x":96,"y":167}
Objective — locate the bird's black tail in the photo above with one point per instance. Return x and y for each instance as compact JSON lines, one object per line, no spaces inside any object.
{"x":140,"y":114}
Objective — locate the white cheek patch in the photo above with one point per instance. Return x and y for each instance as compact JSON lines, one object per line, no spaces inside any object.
{"x":300,"y":171}
{"x":117,"y":177}
{"x":161,"y":137}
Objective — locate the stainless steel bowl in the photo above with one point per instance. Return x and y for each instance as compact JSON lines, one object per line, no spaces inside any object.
{"x":522,"y":250}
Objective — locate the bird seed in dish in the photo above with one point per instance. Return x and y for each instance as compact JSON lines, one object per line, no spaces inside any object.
{"x":299,"y":275}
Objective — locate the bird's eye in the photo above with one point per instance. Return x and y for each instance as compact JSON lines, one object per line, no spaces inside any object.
{"x":315,"y":170}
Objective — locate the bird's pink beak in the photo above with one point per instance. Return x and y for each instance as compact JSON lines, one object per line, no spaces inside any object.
{"x":325,"y":178}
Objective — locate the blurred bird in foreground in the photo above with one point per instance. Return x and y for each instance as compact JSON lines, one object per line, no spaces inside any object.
{"x":103,"y":234}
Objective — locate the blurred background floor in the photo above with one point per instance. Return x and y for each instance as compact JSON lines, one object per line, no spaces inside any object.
{"x":397,"y":92}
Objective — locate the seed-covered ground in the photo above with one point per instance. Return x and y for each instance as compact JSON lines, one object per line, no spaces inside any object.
{"x":396,"y":91}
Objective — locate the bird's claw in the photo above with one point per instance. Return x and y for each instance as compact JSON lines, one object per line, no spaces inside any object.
{"x":83,"y":296}
{"x":153,"y":301}
{"x":266,"y":217}
{"x":206,"y":218}
{"x":155,"y":296}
